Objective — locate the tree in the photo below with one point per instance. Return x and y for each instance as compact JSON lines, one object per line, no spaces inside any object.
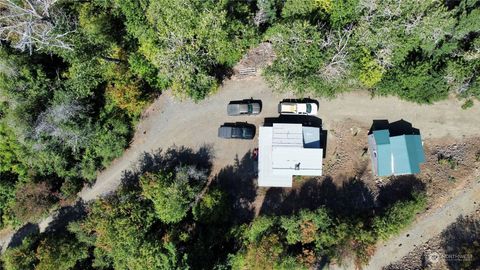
{"x":190,"y":44}
{"x":61,"y":251}
{"x":34,"y":23}
{"x":299,"y":9}
{"x":32,"y":201}
{"x":11,"y":152}
{"x":21,"y":257}
{"x":172,"y":193}
{"x":260,"y":226}
{"x":267,"y":12}
{"x":309,"y":59}
{"x":392,"y":29}
{"x":60,"y":122}
{"x":212,"y":207}
{"x":121,"y":227}
{"x":267,"y":253}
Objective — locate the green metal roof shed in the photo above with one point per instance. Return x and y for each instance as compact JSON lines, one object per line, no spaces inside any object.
{"x":395,"y":155}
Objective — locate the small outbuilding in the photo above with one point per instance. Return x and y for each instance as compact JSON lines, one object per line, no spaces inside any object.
{"x":286,"y":150}
{"x":396,"y":154}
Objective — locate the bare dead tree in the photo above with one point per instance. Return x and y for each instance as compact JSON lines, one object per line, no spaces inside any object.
{"x":32,"y":23}
{"x":54,"y":123}
{"x":336,"y":68}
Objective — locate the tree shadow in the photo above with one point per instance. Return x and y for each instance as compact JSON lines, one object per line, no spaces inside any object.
{"x":400,"y":188}
{"x":222,"y":72}
{"x":238,"y":182}
{"x":58,"y":223}
{"x":25,"y":231}
{"x":353,"y":198}
{"x":461,"y":242}
{"x":168,"y":160}
{"x":65,"y":215}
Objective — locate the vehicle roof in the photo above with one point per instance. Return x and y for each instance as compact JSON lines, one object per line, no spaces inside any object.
{"x":235,"y":108}
{"x":225,"y":131}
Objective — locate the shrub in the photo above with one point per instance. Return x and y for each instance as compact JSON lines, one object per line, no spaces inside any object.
{"x":419,"y":83}
{"x":467,"y":104}
{"x":260,"y":226}
{"x":398,"y":216}
{"x":447,"y":160}
{"x":171,"y":193}
{"x":32,"y":201}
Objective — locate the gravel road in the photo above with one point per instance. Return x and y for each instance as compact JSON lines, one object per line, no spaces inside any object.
{"x":169,"y":122}
{"x":422,"y":230}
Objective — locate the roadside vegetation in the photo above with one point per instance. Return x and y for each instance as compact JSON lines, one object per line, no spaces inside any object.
{"x":75,"y":77}
{"x":420,"y":52}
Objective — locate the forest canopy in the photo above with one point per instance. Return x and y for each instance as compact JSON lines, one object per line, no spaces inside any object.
{"x":75,"y":77}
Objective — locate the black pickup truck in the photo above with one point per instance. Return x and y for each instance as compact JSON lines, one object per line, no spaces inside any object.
{"x":236,"y":131}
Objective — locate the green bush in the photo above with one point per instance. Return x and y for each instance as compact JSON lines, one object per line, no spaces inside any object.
{"x":259,"y":227}
{"x":398,"y":216}
{"x":212,"y":208}
{"x":419,"y":83}
{"x":171,"y":193}
{"x":467,"y":104}
{"x":343,"y":12}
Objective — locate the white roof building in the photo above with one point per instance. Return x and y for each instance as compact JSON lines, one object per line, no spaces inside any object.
{"x":286,"y":150}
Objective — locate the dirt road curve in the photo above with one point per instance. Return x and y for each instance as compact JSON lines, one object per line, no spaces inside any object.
{"x":170,"y":122}
{"x":421,"y":231}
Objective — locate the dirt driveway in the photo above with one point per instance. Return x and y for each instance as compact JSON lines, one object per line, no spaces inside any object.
{"x":171,"y":122}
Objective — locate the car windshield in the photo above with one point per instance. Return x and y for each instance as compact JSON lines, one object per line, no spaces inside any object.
{"x":236,"y":132}
{"x":247,"y":133}
{"x":309,"y":108}
{"x":250,"y":108}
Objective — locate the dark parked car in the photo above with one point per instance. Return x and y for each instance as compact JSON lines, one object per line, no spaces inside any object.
{"x":237,"y":131}
{"x":248,"y":106}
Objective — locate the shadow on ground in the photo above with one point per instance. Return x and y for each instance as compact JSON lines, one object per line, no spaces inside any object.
{"x":239,"y":182}
{"x":461,"y":242}
{"x":168,"y":160}
{"x":400,"y":188}
{"x":58,"y":223}
{"x":400,"y":127}
{"x":352,"y":199}
{"x":65,"y":215}
{"x":25,"y":231}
